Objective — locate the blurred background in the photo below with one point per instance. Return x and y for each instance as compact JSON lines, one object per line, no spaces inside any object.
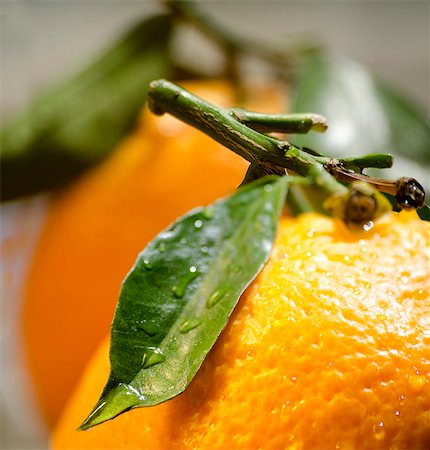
{"x":41,"y":42}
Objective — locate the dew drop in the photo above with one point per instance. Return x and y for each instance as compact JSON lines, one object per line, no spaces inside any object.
{"x":268,"y":188}
{"x":180,"y":287}
{"x":161,"y":247}
{"x":189,"y":324}
{"x":208,"y":213}
{"x":198,"y":224}
{"x":147,"y":264}
{"x":149,"y":328}
{"x":378,"y":431}
{"x":368,"y":226}
{"x":215,"y":297}
{"x":397,"y":414}
{"x":402,"y":399}
{"x":178,"y":291}
{"x":421,"y":294}
{"x":152,"y":356}
{"x":416,"y":382}
{"x":311,"y":232}
{"x":283,"y":409}
{"x":204,"y":250}
{"x":183,"y":241}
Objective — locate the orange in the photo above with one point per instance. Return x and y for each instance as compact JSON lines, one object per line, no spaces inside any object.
{"x":328,"y":348}
{"x":95,"y":229}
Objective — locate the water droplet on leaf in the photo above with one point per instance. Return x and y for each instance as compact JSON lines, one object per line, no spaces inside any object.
{"x":198,"y":224}
{"x":215,"y":297}
{"x":189,"y":324}
{"x":208,"y":213}
{"x":180,"y":287}
{"x":147,"y":264}
{"x":152,"y":356}
{"x":149,"y":328}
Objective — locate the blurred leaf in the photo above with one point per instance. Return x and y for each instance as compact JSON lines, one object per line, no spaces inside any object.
{"x":409,"y":129}
{"x":75,"y":124}
{"x":178,"y":297}
{"x":424,"y":213}
{"x":364,"y":116}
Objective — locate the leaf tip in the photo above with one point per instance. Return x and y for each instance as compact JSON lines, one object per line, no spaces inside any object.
{"x":92,"y":418}
{"x":117,"y":401}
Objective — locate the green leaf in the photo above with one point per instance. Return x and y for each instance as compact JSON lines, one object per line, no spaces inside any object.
{"x":409,"y":129}
{"x":364,"y":116}
{"x":75,"y":124}
{"x":180,"y":293}
{"x":424,"y":213}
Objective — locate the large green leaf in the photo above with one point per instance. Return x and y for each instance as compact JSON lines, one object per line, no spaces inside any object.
{"x":75,"y":124}
{"x":364,"y":116}
{"x":180,"y":293}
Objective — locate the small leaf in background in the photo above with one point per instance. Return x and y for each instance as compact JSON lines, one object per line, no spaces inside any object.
{"x":364,"y":116}
{"x":75,"y":124}
{"x":424,"y":213}
{"x":180,"y":293}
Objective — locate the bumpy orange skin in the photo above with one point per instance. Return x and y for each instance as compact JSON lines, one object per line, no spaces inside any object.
{"x":328,"y":348}
{"x":96,"y":228}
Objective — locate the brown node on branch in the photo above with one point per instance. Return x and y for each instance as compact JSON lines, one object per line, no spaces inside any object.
{"x":409,"y":194}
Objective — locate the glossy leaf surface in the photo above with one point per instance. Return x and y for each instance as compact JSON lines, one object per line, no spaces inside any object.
{"x":180,"y":293}
{"x":75,"y":124}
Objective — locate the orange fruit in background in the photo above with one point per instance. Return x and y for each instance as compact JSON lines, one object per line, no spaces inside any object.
{"x":95,"y":229}
{"x":328,"y":348}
